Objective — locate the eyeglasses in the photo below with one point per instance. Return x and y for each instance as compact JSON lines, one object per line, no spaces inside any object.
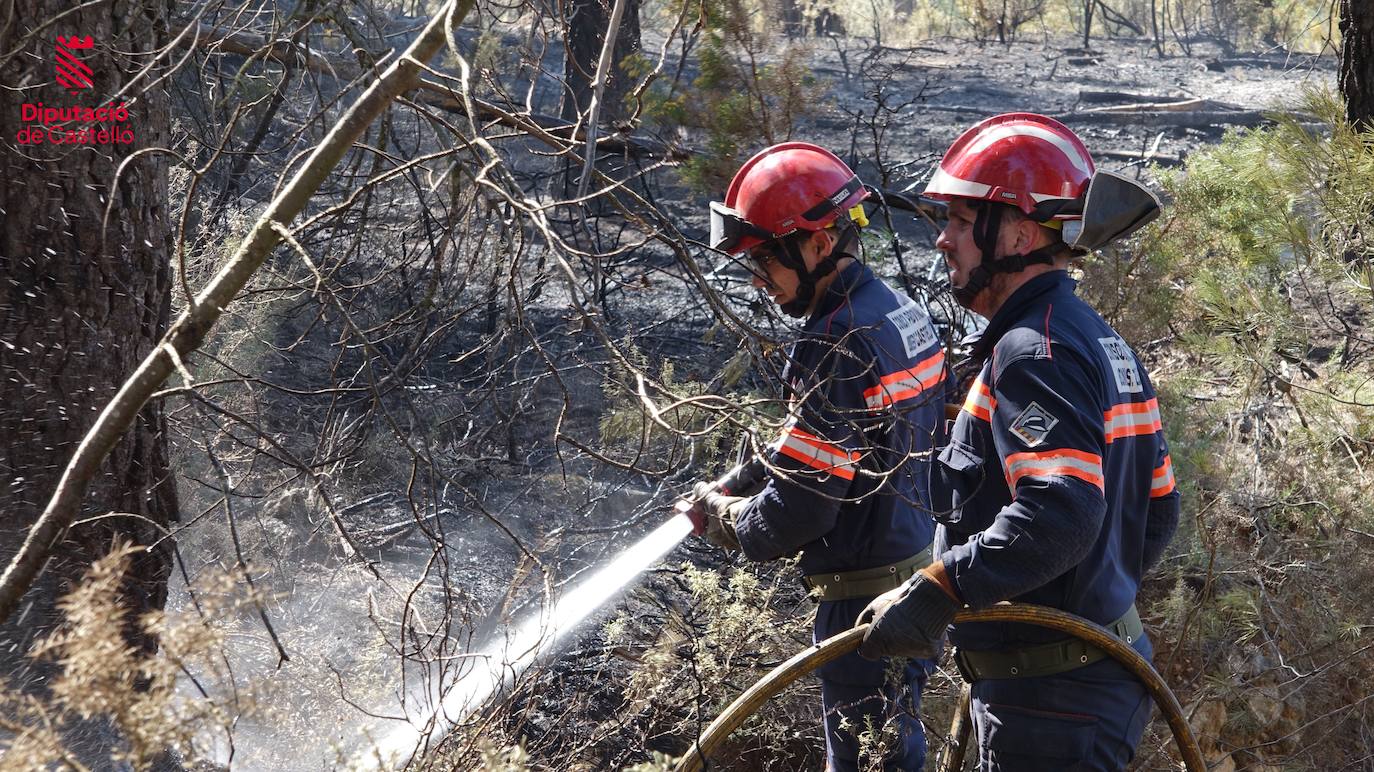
{"x":758,"y":259}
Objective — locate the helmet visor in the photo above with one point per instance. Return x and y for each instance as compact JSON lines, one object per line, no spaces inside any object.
{"x":729,"y":229}
{"x":1115,"y":207}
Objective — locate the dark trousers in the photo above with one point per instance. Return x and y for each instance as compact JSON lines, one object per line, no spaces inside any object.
{"x":1090,"y":719}
{"x":857,"y":694}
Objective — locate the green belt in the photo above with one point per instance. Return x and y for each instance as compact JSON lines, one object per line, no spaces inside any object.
{"x":1047,"y":659}
{"x":866,"y":583}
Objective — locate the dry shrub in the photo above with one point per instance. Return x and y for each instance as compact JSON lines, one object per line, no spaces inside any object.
{"x":738,"y":625}
{"x":102,"y":678}
{"x":1002,"y":18}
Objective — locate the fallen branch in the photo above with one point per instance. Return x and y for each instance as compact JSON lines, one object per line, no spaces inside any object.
{"x":1185,"y":105}
{"x":401,"y":527}
{"x":1198,"y":119}
{"x":1163,"y":159}
{"x":190,"y":329}
{"x":1087,"y":95}
{"x":280,"y":50}
{"x":1285,"y":63}
{"x":957,"y":109}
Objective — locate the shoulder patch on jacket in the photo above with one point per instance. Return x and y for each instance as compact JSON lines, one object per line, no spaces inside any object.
{"x":913,"y":325}
{"x":1123,"y":365}
{"x":1033,"y":425}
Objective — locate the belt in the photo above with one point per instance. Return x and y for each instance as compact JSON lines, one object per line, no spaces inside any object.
{"x":865,"y":583}
{"x":1046,"y":659}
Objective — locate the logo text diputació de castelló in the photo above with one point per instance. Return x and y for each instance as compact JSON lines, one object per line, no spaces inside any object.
{"x":74,"y":124}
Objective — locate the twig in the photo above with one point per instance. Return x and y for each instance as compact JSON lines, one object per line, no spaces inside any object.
{"x":227,"y":489}
{"x":598,"y":90}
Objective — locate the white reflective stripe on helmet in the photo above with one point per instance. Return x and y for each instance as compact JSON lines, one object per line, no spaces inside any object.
{"x":1038,"y":197}
{"x":998,"y":133}
{"x":947,"y":184}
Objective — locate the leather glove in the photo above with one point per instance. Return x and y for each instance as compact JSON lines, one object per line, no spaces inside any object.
{"x":720,"y":512}
{"x":909,"y":621}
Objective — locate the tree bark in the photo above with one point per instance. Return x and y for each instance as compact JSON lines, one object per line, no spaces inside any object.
{"x":791,"y":18}
{"x":1088,"y":7}
{"x":587,"y":21}
{"x":1357,"y":61}
{"x":82,"y":304}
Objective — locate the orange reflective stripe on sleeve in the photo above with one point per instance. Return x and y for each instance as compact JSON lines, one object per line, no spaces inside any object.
{"x":818,"y":454}
{"x":906,"y":383}
{"x":1064,"y":462}
{"x":1162,"y":482}
{"x":1130,"y":419}
{"x":980,"y":403}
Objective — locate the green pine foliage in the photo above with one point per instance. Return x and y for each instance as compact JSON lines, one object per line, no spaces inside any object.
{"x":749,"y":92}
{"x":1250,"y":296}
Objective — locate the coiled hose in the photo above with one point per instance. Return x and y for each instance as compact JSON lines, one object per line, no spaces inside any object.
{"x":833,"y":648}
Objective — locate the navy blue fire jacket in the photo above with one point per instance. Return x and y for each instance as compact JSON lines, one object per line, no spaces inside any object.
{"x":1056,"y":486}
{"x":848,"y":484}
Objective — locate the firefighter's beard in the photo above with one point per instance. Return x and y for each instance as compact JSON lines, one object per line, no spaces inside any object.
{"x":964,"y":296}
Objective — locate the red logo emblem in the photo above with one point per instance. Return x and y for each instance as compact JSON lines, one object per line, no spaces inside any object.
{"x":73,"y":73}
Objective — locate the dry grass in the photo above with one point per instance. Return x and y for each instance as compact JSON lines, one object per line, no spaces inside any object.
{"x":104,"y":680}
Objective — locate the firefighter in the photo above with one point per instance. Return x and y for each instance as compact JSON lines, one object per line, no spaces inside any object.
{"x":1055,"y":487}
{"x":847,"y":484}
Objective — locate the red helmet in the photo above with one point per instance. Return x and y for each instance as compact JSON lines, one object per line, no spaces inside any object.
{"x":1021,"y":159}
{"x":783,"y":189}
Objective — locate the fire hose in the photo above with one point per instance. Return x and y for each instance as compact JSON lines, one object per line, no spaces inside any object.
{"x":833,"y":648}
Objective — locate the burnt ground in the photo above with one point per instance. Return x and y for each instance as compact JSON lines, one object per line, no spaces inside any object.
{"x":572,"y":714}
{"x":964,"y":83}
{"x":920,"y":98}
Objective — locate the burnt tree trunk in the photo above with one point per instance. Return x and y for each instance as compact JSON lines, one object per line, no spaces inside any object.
{"x":82,"y":304}
{"x":1088,"y":7}
{"x":1157,"y":29}
{"x":792,"y":19}
{"x":587,"y":21}
{"x":1357,"y":89}
{"x":1357,"y":61}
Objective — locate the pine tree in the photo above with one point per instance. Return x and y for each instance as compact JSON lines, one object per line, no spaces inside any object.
{"x":1357,"y":61}
{"x":85,"y":281}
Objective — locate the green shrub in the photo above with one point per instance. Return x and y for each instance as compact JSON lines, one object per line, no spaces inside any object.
{"x":1251,"y":295}
{"x":749,"y":92}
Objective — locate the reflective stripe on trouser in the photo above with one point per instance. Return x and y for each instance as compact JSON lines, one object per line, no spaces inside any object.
{"x":858,"y":692}
{"x":1090,"y":719}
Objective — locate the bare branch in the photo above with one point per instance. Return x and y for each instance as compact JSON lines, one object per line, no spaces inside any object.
{"x":187,"y":333}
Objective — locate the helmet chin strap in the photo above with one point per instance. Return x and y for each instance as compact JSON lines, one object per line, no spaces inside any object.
{"x":806,"y":280}
{"x":986,"y":227}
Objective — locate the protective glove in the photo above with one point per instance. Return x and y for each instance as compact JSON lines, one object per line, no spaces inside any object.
{"x":909,"y":621}
{"x":719,"y":512}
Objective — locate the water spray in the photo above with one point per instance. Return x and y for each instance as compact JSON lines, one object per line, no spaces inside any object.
{"x":495,"y":670}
